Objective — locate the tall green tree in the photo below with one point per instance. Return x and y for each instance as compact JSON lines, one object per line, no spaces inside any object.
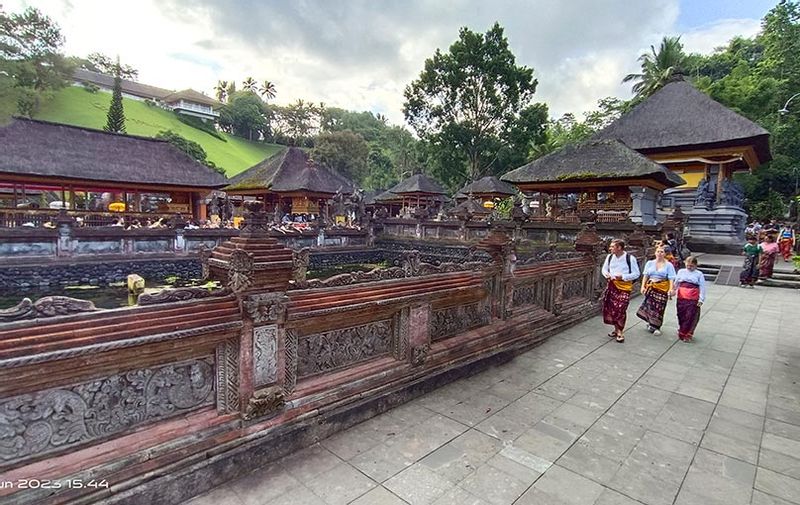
{"x":466,"y":103}
{"x":245,"y":115}
{"x":221,"y":91}
{"x":343,"y":151}
{"x":658,"y":67}
{"x":250,"y":84}
{"x":268,"y":90}
{"x":115,"y":119}
{"x":31,"y":62}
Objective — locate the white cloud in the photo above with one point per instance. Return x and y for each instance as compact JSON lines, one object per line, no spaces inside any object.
{"x":360,"y":54}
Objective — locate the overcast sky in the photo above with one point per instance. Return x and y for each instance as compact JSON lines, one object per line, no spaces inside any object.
{"x":360,"y":54}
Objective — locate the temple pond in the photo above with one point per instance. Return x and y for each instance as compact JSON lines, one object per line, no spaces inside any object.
{"x":116,"y":295}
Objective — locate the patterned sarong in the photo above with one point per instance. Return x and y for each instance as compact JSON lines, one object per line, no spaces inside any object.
{"x":786,"y":248}
{"x":615,"y":303}
{"x":749,"y":273}
{"x":767,"y":264}
{"x":688,"y":311}
{"x":655,"y":302}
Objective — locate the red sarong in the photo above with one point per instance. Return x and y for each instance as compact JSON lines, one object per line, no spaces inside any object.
{"x":615,"y":304}
{"x":786,"y":248}
{"x":688,"y":311}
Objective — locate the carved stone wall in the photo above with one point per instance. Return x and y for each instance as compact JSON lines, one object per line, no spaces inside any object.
{"x":33,"y":425}
{"x":265,"y":355}
{"x":452,"y":320}
{"x":228,"y":377}
{"x":331,"y":350}
{"x":539,"y":292}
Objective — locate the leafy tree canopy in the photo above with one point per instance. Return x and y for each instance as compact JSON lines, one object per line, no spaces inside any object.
{"x":193,"y":149}
{"x":471,"y":103}
{"x":344,"y":151}
{"x":31,"y":62}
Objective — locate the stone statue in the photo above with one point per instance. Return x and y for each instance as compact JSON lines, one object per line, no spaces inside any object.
{"x":703,"y":196}
{"x":732,"y":194}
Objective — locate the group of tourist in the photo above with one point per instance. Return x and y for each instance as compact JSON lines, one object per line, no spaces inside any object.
{"x":661,"y":281}
{"x":759,"y":258}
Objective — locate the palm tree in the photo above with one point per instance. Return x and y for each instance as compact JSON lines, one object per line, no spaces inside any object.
{"x":250,"y":84}
{"x":658,"y":67}
{"x":231,"y":89}
{"x":221,"y":90}
{"x":268,"y":90}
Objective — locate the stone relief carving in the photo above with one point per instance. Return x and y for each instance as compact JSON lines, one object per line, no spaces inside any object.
{"x":179,"y":295}
{"x":420,"y":354}
{"x":228,"y":377}
{"x":240,"y":274}
{"x":266,"y":308}
{"x":32,"y":425}
{"x":403,"y":327}
{"x":47,"y":306}
{"x":330,"y":350}
{"x":264,"y":403}
{"x":265,"y":355}
{"x":453,"y":320}
{"x":550,"y":255}
{"x":290,"y":367}
{"x":574,"y":288}
{"x":204,"y":254}
{"x":300,"y":261}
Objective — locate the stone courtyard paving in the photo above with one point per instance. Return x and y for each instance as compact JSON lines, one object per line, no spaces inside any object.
{"x":582,"y":420}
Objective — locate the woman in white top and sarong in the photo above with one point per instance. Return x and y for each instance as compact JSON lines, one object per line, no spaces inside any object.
{"x":657,"y":283}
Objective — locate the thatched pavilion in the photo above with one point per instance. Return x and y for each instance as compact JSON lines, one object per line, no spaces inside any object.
{"x":705,"y":143}
{"x":420,"y":191}
{"x":608,"y":178}
{"x":486,"y":189}
{"x":90,"y":172}
{"x":291,"y":180}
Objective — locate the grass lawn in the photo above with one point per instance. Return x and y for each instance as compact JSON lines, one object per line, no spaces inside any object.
{"x":76,"y":106}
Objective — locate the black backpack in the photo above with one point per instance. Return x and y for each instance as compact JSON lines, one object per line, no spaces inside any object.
{"x":627,"y":260}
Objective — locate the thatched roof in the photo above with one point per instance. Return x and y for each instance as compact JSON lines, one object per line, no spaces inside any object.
{"x":190,"y":95}
{"x":40,"y":148}
{"x":680,"y":117}
{"x":593,"y":160}
{"x":487,"y":185}
{"x":471,"y":206}
{"x":291,"y":170}
{"x":419,"y":183}
{"x":129,"y":87}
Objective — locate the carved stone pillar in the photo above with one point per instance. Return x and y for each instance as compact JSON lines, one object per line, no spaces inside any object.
{"x":419,"y":333}
{"x":592,"y":244}
{"x":64,"y":223}
{"x":645,"y":202}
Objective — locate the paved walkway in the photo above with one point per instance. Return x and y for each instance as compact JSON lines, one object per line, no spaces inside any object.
{"x":781,"y":266}
{"x":582,"y":420}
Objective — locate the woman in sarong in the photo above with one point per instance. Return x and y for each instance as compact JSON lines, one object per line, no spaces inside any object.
{"x":690,"y":285}
{"x":769,"y":254}
{"x":786,"y":241}
{"x":657,"y":283}
{"x":751,"y":251}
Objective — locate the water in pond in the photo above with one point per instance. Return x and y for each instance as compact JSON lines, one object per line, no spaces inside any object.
{"x":330,"y":271}
{"x":106,"y":297}
{"x":116,"y":295}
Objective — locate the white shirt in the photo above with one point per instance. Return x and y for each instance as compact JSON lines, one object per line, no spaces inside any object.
{"x":618,"y":265}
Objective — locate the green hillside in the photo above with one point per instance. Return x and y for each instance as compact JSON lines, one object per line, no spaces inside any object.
{"x":76,"y":106}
